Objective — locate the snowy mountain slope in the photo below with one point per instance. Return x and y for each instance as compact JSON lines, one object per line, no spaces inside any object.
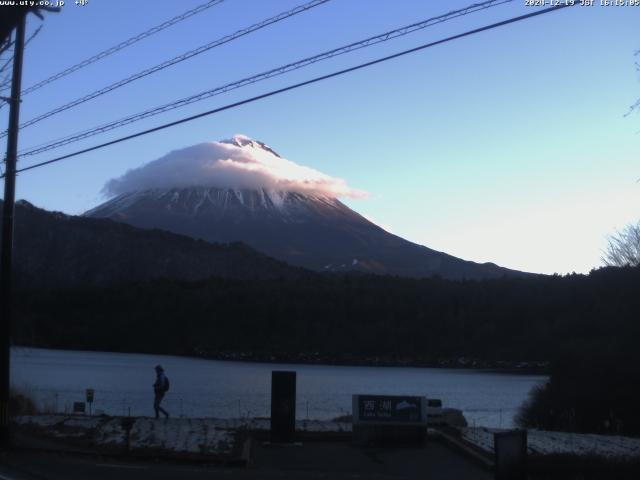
{"x":316,"y":232}
{"x":242,"y":190}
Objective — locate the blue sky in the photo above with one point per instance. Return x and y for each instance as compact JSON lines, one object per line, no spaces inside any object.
{"x":509,"y":146}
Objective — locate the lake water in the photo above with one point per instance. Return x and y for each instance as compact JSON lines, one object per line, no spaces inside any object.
{"x":210,"y":388}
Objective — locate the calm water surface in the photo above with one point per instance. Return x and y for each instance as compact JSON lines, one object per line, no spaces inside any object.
{"x":122,"y":384}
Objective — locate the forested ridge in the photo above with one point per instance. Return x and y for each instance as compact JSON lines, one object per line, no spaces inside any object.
{"x":343,"y":316}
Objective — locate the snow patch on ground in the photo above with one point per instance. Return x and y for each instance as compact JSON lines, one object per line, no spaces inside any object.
{"x":179,"y":435}
{"x":206,"y":436}
{"x":546,"y":443}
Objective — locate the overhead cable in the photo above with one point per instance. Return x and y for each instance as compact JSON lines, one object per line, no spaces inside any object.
{"x":122,"y":45}
{"x":174,"y":61}
{"x":298,"y":85}
{"x":383,"y":37}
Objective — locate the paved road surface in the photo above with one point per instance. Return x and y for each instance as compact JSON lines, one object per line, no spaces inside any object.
{"x":313,"y":460}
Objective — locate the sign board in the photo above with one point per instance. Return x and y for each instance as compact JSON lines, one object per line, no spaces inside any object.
{"x":90,"y":393}
{"x":78,"y":407}
{"x":389,"y":410}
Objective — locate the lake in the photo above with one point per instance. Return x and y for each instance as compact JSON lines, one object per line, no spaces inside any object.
{"x":211,"y":388}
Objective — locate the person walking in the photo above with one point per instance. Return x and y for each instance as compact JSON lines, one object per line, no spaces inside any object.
{"x":160,"y":387}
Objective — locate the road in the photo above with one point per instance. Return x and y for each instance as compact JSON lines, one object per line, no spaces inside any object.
{"x":312,"y":460}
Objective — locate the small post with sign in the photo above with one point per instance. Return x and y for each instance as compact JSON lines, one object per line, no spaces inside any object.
{"x":90,"y":393}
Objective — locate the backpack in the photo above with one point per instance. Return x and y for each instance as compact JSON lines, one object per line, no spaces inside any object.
{"x":166,"y":384}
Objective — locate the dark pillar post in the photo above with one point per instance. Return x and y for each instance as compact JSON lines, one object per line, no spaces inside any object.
{"x":510,"y":455}
{"x":283,"y":406}
{"x":6,"y":270}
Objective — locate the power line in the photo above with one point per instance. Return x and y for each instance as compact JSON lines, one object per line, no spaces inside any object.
{"x":31,"y":37}
{"x":180,"y":58}
{"x":3,"y":48}
{"x":122,"y":45}
{"x":263,"y":76}
{"x":301,"y":84}
{"x":8,"y":62}
{"x":6,"y":45}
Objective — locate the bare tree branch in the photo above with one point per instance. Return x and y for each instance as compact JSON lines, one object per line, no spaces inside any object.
{"x":636,"y":106}
{"x":624,"y":247}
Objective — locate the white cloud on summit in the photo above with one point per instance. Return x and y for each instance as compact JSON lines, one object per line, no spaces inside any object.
{"x":236,"y":163}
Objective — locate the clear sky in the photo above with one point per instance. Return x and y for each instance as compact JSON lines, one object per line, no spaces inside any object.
{"x":508,"y":146}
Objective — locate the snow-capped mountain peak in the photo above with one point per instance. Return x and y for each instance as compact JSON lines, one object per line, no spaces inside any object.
{"x":237,"y":163}
{"x":241,"y":190}
{"x":244,"y":141}
{"x":196,"y":201}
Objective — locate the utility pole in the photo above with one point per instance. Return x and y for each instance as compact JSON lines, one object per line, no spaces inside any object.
{"x":6,"y":271}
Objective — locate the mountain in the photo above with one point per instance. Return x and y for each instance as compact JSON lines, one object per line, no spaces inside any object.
{"x":52,"y":249}
{"x":307,"y":228}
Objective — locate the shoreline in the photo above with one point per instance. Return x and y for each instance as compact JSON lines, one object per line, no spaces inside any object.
{"x":500,"y":366}
{"x":531,"y":367}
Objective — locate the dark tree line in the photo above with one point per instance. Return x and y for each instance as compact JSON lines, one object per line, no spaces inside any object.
{"x":506,"y":319}
{"x":595,"y":392}
{"x":587,"y":326}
